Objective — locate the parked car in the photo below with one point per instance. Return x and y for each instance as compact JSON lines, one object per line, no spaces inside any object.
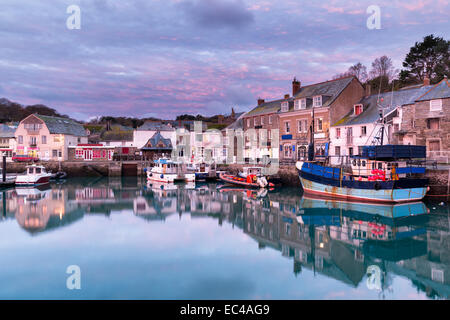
{"x":24,"y":158}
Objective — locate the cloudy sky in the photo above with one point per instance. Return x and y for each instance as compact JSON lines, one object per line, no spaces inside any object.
{"x":168,"y":57}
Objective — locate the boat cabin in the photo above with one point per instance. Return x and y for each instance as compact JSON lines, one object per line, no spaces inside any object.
{"x":390,"y":161}
{"x":36,"y":170}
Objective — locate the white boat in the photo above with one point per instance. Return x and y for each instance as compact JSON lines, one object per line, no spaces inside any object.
{"x":10,"y":177}
{"x":35,"y":175}
{"x":168,"y":171}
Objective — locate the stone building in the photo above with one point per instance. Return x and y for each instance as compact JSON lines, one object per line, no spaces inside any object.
{"x":427,"y":122}
{"x":327,"y":102}
{"x":261,"y":127}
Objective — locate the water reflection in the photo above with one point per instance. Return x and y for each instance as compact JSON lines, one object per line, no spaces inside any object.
{"x":353,"y":243}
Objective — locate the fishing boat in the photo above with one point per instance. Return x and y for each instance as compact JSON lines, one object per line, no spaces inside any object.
{"x":382,"y":173}
{"x":251,"y":181}
{"x":168,"y":171}
{"x":34,"y":176}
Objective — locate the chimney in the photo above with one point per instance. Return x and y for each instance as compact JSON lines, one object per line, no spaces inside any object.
{"x":295,"y":86}
{"x":260,"y":101}
{"x":368,"y":89}
{"x":426,"y":81}
{"x":286,"y":96}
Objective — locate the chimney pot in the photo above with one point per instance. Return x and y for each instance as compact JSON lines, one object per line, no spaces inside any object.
{"x":286,"y":96}
{"x":260,"y":101}
{"x":296,"y":85}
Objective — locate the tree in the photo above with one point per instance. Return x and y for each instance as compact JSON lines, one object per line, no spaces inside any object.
{"x":382,"y":67}
{"x":429,"y":58}
{"x":358,"y":70}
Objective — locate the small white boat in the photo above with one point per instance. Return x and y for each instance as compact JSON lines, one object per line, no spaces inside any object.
{"x":35,"y":175}
{"x":10,"y":177}
{"x":168,"y":171}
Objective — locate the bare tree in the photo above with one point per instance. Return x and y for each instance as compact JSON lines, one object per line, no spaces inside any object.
{"x":382,"y":67}
{"x":360,"y":71}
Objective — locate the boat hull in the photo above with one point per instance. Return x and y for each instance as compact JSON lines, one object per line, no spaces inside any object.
{"x":32,"y":182}
{"x":373,"y":192}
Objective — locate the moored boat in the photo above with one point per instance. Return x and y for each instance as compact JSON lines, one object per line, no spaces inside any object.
{"x":380,"y":174}
{"x":34,"y":176}
{"x":167,"y":171}
{"x":251,"y":181}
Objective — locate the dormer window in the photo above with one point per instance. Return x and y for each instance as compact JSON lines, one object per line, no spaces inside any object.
{"x":303,"y":104}
{"x":297,"y":105}
{"x":357,"y":109}
{"x":317,"y":101}
{"x":284,"y":106}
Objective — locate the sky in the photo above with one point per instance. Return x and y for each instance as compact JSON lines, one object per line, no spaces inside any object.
{"x":163,"y":58}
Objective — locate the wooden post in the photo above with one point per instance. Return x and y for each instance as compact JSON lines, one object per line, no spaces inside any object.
{"x":4,"y":168}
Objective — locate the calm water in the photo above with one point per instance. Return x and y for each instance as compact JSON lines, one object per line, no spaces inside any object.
{"x":133,"y":241}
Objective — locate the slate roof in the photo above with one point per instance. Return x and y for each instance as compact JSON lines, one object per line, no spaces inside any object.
{"x":238,"y":123}
{"x":6,"y":131}
{"x":155,"y":126}
{"x":269,"y":107}
{"x":438,"y":91}
{"x":330,"y":90}
{"x":154,"y":140}
{"x":57,"y":125}
{"x":388,"y":101}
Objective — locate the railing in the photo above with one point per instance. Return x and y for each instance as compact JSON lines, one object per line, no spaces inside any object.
{"x":439,"y":156}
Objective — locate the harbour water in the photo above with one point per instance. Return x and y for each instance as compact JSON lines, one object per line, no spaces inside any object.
{"x":131,"y":240}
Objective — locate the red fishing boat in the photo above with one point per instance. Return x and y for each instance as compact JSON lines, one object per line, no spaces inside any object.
{"x":251,"y":181}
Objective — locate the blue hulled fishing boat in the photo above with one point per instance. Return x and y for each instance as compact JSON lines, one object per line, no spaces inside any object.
{"x":383,"y":173}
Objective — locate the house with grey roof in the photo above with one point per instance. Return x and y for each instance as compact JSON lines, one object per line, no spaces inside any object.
{"x":7,"y":141}
{"x":47,"y":137}
{"x":362,"y":125}
{"x":157,"y":146}
{"x":426,"y":121}
{"x":142,"y":134}
{"x":312,"y":111}
{"x":261,"y":129}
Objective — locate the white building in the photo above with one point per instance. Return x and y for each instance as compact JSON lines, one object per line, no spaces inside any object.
{"x":361,"y":126}
{"x":142,"y":134}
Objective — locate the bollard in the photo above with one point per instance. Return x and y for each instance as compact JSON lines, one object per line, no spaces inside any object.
{"x":4,"y":169}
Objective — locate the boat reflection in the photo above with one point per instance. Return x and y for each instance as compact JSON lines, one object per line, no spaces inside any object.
{"x":354,"y":243}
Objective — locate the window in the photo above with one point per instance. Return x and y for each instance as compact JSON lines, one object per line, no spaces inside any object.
{"x":319,"y":123}
{"x":317,"y":101}
{"x":305,"y":125}
{"x":20,"y":139}
{"x":297,"y":105}
{"x":262,"y":120}
{"x":79,"y":140}
{"x":437,"y":275}
{"x":338,"y":133}
{"x":248,"y":122}
{"x":303,"y":104}
{"x":358,"y":109}
{"x":363,"y":130}
{"x":255,"y":122}
{"x":284,"y":106}
{"x":44,"y":139}
{"x":436,"y":105}
{"x":60,"y":154}
{"x":38,"y":170}
{"x":433,"y":124}
{"x":33,"y":141}
{"x":54,"y":153}
{"x":337,"y":151}
{"x":299,"y":124}
{"x":287,"y":127}
{"x":270,"y":119}
{"x":350,"y":151}
{"x":434,"y":145}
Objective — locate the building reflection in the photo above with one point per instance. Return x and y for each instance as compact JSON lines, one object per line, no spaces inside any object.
{"x":357,"y":244}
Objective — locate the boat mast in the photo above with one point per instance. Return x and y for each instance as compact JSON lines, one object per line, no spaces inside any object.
{"x":311,"y":139}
